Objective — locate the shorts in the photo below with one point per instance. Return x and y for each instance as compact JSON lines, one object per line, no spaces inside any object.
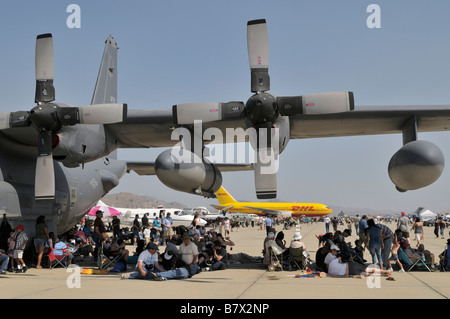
{"x":394,"y":257}
{"x":18,"y":253}
{"x":419,"y":236}
{"x":39,"y":242}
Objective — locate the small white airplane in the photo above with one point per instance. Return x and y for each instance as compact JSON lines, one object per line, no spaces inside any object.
{"x":179,"y":217}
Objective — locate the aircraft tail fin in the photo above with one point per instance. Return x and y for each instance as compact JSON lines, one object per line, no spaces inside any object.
{"x":223,"y":197}
{"x":106,"y":87}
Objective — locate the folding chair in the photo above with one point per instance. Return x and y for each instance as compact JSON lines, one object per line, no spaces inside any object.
{"x":297,"y":258}
{"x":275,"y":252}
{"x":106,"y":258}
{"x":55,"y":260}
{"x":409,"y":264}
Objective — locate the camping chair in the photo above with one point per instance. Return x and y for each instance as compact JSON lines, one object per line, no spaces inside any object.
{"x":55,"y":260}
{"x":420,"y":262}
{"x":275,"y":252}
{"x":297,"y":258}
{"x":107,"y":258}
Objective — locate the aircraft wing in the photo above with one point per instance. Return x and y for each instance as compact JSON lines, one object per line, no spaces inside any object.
{"x":153,"y":128}
{"x":268,"y":211}
{"x":370,"y":121}
{"x":148,"y":168}
{"x":224,"y":208}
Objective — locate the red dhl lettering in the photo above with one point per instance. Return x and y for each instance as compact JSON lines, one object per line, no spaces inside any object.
{"x":303,"y":209}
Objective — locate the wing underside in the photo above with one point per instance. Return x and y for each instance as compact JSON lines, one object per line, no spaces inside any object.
{"x":153,"y":128}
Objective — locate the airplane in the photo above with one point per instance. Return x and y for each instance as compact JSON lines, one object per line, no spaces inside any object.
{"x":228,"y":204}
{"x":58,"y":161}
{"x":179,"y":216}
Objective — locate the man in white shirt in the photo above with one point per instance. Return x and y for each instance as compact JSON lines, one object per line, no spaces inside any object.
{"x":148,"y":267}
{"x":189,"y":254}
{"x":327,"y":224}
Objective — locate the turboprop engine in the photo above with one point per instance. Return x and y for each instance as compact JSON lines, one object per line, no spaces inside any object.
{"x":187,"y":172}
{"x":417,"y":164}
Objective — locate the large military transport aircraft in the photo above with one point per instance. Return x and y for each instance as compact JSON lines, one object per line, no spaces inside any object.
{"x":57,"y":160}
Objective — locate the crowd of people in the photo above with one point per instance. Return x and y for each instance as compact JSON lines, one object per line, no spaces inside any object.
{"x":164,"y":252}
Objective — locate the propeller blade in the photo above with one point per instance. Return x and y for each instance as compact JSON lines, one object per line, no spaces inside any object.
{"x":93,"y":114}
{"x":258,"y":55}
{"x":266,"y":167}
{"x":45,"y":92}
{"x":266,"y":161}
{"x":187,"y":113}
{"x":44,"y":186}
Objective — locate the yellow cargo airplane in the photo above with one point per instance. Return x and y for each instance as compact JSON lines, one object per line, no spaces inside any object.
{"x":228,"y":204}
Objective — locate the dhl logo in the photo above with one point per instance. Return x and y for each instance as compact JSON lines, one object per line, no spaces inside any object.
{"x":303,"y":209}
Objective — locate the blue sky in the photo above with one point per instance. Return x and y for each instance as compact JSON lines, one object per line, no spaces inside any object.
{"x":195,"y":51}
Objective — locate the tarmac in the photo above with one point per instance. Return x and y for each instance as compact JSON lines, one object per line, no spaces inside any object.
{"x":249,"y":283}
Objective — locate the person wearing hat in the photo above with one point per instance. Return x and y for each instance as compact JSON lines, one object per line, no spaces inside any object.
{"x":334,"y":250}
{"x":296,"y":243}
{"x":403,"y":224}
{"x":189,"y":254}
{"x":21,"y":242}
{"x":147,"y":261}
{"x":148,"y":267}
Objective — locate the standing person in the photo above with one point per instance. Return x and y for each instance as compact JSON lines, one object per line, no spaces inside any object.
{"x":442,"y":226}
{"x":403,"y":225}
{"x":268,"y":222}
{"x":116,"y":226}
{"x":394,"y":252}
{"x":335,"y":223}
{"x":362,"y":229}
{"x":356,"y":222}
{"x":418,"y":230}
{"x":436,"y":227}
{"x":21,"y":242}
{"x":99,"y":232}
{"x":167,"y":229}
{"x":327,"y":224}
{"x":226,"y":226}
{"x":41,"y":239}
{"x":387,"y":236}
{"x":145,"y":220}
{"x":135,"y":229}
{"x":374,"y":242}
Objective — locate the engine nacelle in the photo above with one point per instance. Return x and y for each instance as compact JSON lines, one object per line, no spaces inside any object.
{"x":186,"y":172}
{"x":280,"y":134}
{"x":77,"y":146}
{"x":417,"y":164}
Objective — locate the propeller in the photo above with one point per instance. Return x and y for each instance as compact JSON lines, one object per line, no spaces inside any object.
{"x":49,"y":118}
{"x":263,"y":110}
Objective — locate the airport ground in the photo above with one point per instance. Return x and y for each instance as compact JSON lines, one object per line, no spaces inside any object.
{"x":240,"y":282}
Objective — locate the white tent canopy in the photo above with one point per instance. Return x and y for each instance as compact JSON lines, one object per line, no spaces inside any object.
{"x":427,"y":214}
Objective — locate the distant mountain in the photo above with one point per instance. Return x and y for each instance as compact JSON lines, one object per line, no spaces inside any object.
{"x":352,"y":211}
{"x":128,"y":200}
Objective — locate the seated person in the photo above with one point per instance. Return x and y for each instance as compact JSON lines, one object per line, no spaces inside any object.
{"x":296,"y":243}
{"x":333,"y":254}
{"x":429,"y":257}
{"x":118,"y":246}
{"x":60,"y":249}
{"x":219,"y":256}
